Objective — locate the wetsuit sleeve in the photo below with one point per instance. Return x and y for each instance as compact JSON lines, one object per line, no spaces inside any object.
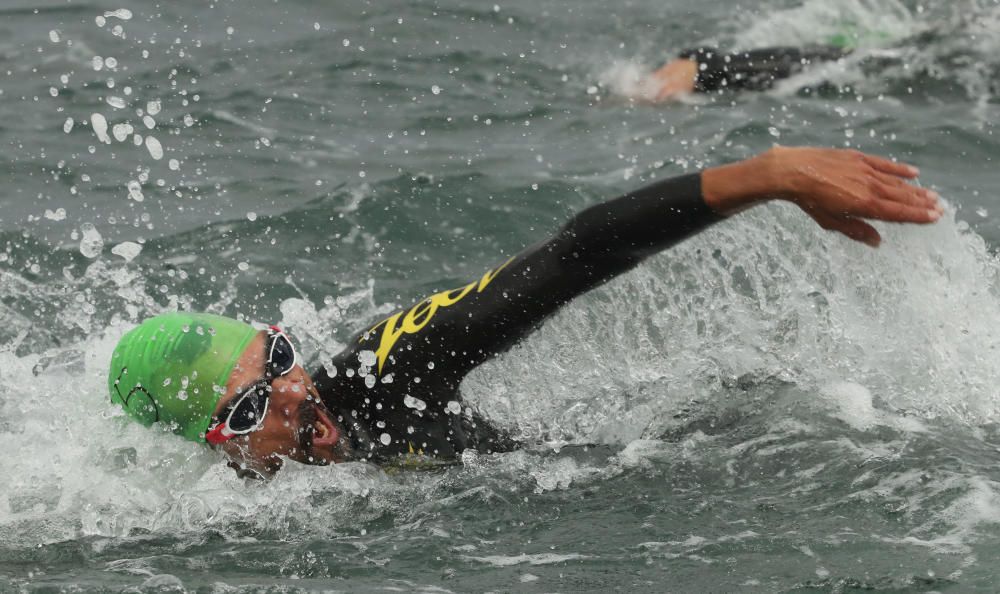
{"x":755,"y":70}
{"x":443,"y":337}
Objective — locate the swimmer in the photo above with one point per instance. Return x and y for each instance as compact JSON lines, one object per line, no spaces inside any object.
{"x":707,"y":70}
{"x":392,"y":395}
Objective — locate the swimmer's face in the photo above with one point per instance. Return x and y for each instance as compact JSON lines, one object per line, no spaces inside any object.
{"x":296,"y":426}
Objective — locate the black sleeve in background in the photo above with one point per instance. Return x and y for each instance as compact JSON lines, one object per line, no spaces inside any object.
{"x":755,"y":70}
{"x":454,"y":331}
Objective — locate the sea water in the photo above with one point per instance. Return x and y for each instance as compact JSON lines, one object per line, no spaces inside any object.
{"x":766,"y":407}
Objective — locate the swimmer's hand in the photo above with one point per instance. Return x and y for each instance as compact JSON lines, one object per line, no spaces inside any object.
{"x":673,"y":79}
{"x":837,"y":188}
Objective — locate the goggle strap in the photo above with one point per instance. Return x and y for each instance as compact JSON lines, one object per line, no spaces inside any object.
{"x":219,"y":434}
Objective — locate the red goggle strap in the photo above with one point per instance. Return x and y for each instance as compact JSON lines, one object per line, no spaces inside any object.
{"x":220,"y":434}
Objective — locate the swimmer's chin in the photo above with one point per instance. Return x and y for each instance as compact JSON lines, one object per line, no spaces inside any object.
{"x":267,"y":469}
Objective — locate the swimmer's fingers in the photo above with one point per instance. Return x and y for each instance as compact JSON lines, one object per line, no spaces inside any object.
{"x":856,"y":229}
{"x":895,"y":189}
{"x":890,"y":167}
{"x":896,"y":212}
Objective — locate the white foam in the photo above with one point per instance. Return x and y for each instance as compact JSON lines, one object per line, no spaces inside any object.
{"x":813,"y":21}
{"x":829,"y":309}
{"x":630,"y":78}
{"x":525,"y":559}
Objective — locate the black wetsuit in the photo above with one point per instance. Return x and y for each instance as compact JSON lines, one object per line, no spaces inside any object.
{"x":395,"y":387}
{"x":755,"y":70}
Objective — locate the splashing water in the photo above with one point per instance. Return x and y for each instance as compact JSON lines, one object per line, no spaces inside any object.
{"x":755,"y":410}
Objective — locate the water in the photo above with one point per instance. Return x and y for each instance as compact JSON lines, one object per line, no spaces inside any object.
{"x":764,"y":408}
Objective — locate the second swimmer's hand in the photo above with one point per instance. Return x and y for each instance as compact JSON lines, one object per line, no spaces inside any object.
{"x":837,"y":188}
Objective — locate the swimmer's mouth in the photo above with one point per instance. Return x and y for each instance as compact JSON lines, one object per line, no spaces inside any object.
{"x":324,"y":432}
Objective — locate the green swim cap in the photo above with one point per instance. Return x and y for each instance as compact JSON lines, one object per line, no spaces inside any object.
{"x":173,"y":369}
{"x":851,"y":36}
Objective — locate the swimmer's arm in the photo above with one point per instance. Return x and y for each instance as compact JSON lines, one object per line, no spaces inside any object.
{"x":464,"y":328}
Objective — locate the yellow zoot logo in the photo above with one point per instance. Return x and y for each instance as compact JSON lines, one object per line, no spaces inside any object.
{"x":417,"y":317}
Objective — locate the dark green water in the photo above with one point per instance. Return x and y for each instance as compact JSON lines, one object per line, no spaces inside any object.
{"x":764,"y":408}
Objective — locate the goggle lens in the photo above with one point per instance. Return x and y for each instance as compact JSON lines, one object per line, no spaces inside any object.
{"x":249,"y":410}
{"x":282,"y":357}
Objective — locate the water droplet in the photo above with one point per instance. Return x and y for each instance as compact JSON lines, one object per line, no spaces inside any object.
{"x":54,"y":36}
{"x":122,"y":13}
{"x":116,"y":102}
{"x":68,"y":126}
{"x":153,"y":107}
{"x":243,"y":266}
{"x":385,"y":438}
{"x":316,"y":26}
{"x":173,"y":164}
{"x":251,"y":216}
{"x":154,"y":148}
{"x":135,"y":191}
{"x":150,"y":122}
{"x":127,"y":249}
{"x":454,"y":407}
{"x":100,"y":126}
{"x":58,"y":215}
{"x":91,"y":242}
{"x":182,"y":395}
{"x":100,"y":20}
{"x":367,"y":358}
{"x":110,"y":63}
{"x":188,"y":120}
{"x":414,"y":403}
{"x":121,"y":131}
{"x":435,"y":89}
{"x":774,"y":132}
{"x":97,"y":62}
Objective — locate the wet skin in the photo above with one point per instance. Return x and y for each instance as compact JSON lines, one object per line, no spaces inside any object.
{"x":675,"y":78}
{"x":296,"y":425}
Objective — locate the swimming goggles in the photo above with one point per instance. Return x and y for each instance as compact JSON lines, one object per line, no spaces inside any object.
{"x":245,"y":412}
